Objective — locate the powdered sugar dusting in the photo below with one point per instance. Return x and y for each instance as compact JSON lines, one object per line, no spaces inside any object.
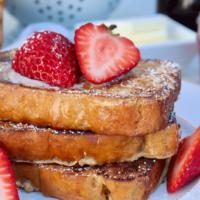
{"x":150,"y":78}
{"x":117,"y":171}
{"x":29,"y":127}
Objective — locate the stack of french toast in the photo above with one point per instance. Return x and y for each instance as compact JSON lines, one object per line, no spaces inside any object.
{"x":101,"y":129}
{"x":108,"y":141}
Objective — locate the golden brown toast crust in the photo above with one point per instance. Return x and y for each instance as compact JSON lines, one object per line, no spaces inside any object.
{"x":129,"y":181}
{"x":25,"y":143}
{"x":134,"y":104}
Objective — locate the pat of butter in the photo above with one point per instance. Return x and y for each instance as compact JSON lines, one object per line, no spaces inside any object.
{"x":143,"y":31}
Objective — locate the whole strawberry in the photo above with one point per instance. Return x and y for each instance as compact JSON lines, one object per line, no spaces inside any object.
{"x":49,"y":57}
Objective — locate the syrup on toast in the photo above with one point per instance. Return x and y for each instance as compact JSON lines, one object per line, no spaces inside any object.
{"x":127,"y":181}
{"x":134,"y":104}
{"x":25,"y":143}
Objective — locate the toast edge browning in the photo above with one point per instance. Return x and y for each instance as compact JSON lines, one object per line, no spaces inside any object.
{"x":91,"y":184}
{"x":24,"y":143}
{"x":127,"y":116}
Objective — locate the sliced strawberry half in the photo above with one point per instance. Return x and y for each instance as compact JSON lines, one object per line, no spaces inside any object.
{"x":102,"y":55}
{"x":185,"y":166}
{"x":8,"y":189}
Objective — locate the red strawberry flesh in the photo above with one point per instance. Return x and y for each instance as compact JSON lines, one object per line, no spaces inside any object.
{"x":185,"y":166}
{"x":103,"y":56}
{"x":8,"y":189}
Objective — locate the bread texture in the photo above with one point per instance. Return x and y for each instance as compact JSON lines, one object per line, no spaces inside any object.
{"x":134,"y":104}
{"x":127,"y":181}
{"x":25,"y":143}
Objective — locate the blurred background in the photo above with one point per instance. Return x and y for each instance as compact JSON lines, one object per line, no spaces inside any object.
{"x":161,"y":29}
{"x":18,"y":15}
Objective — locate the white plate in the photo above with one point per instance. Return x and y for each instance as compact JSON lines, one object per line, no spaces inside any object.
{"x":159,"y":194}
{"x":188,"y":107}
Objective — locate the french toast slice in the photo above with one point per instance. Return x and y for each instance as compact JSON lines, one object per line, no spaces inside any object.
{"x":126,"y":181}
{"x":134,"y":104}
{"x":25,"y":143}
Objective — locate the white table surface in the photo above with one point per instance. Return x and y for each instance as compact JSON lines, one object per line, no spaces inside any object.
{"x":192,"y":73}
